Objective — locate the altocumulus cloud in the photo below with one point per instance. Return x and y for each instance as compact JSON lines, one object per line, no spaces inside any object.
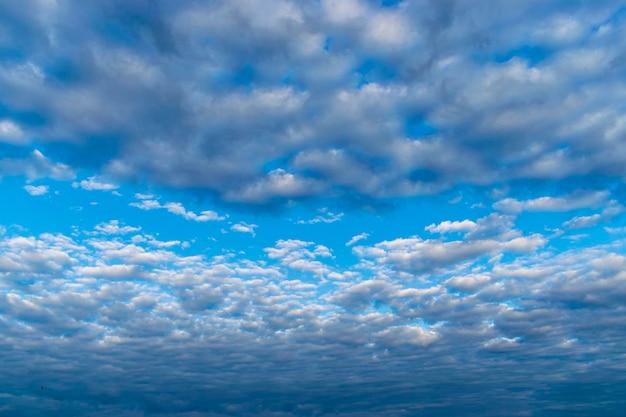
{"x":290,"y":208}
{"x":231,"y":331}
{"x":338,"y":97}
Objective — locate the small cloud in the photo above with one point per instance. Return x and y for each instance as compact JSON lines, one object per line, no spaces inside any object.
{"x":11,"y":133}
{"x":140,"y":196}
{"x":94,"y":184}
{"x":204,"y":216}
{"x":113,"y":228}
{"x":456,"y":199}
{"x":570,"y":202}
{"x":147,"y":205}
{"x":448,"y":226}
{"x":582,"y":222}
{"x":326,"y":216}
{"x":357,"y":238}
{"x":176,"y":208}
{"x":244,"y":228}
{"x":36,"y":190}
{"x":607,"y":214}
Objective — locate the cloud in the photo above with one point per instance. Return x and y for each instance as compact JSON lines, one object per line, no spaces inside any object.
{"x":36,"y":190}
{"x":348,"y":104}
{"x":215,"y":314}
{"x":178,"y":209}
{"x":244,"y":228}
{"x":580,"y":222}
{"x":566,"y":203}
{"x":448,"y":226}
{"x":113,"y":228}
{"x":489,"y":235}
{"x":36,"y":166}
{"x":357,"y":238}
{"x":11,"y":133}
{"x":146,"y":203}
{"x":325,"y":216}
{"x":94,"y":183}
{"x":298,"y":103}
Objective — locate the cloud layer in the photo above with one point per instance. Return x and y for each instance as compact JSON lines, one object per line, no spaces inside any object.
{"x":114,"y":321}
{"x":264,"y":101}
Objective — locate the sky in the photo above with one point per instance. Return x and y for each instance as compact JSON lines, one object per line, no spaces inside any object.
{"x":288,"y":208}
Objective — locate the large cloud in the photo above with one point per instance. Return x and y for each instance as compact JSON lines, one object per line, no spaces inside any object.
{"x":258,"y":100}
{"x":113,"y":322}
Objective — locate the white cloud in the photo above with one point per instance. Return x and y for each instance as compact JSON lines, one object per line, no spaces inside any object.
{"x":454,"y":226}
{"x":11,"y":133}
{"x":95,"y":184}
{"x":277,"y":183}
{"x":36,"y":190}
{"x":567,"y":203}
{"x":244,"y":228}
{"x":204,"y":216}
{"x":113,"y":228}
{"x":357,"y":238}
{"x":326,"y":216}
{"x":146,"y":203}
{"x":580,"y":222}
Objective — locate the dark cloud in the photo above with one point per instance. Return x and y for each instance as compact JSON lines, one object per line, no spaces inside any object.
{"x":234,"y":98}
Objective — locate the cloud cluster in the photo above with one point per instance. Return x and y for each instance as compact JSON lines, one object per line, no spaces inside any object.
{"x":147,"y":202}
{"x":114,"y":321}
{"x":259,"y":101}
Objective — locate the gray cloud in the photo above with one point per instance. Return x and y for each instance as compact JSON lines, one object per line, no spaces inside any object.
{"x":264,"y":101}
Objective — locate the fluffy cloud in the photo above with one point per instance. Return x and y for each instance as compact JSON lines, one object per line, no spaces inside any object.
{"x":204,"y":317}
{"x":244,"y":228}
{"x":11,"y":133}
{"x":147,"y":203}
{"x":93,"y":183}
{"x":487,"y":236}
{"x":36,"y":190}
{"x":448,"y":226}
{"x":283,"y":100}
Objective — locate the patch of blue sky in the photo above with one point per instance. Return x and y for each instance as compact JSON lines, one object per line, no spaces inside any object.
{"x":418,"y":126}
{"x":532,"y":54}
{"x":372,"y":70}
{"x":63,"y":71}
{"x":22,"y":116}
{"x":390,"y":3}
{"x":11,"y":54}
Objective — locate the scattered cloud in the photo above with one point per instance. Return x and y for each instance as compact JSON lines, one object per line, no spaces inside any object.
{"x":325,"y":216}
{"x":244,"y":228}
{"x":36,"y":190}
{"x":11,"y":133}
{"x":113,"y":227}
{"x":146,"y":203}
{"x":451,"y":227}
{"x":357,"y":238}
{"x":566,"y":203}
{"x":95,"y":184}
{"x":35,"y":166}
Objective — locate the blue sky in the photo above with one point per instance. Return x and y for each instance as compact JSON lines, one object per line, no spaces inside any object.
{"x":312,"y":208}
